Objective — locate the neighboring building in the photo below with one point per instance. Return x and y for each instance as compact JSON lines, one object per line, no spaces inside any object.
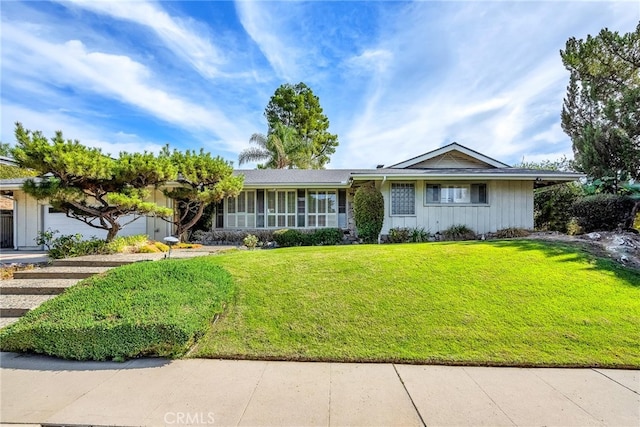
{"x":448,"y":186}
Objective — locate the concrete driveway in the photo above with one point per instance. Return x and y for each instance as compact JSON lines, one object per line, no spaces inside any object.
{"x":25,"y":257}
{"x":154,"y":392}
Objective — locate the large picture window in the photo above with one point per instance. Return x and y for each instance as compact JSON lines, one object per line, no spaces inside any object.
{"x":456,"y":193}
{"x":322,"y":208}
{"x":241,"y":210}
{"x":403,"y":199}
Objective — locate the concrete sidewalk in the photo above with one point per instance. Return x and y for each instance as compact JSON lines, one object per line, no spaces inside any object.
{"x":37,"y":389}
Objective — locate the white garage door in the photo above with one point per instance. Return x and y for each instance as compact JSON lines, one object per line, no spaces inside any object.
{"x":59,"y":221}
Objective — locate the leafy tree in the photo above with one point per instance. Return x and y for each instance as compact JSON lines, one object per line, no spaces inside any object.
{"x":601,"y":111}
{"x":8,"y":172}
{"x":88,"y":185}
{"x":203,"y":180}
{"x":281,"y":148}
{"x":368,"y":211}
{"x":296,"y":106}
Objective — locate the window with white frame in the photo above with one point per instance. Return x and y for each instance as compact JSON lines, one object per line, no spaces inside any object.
{"x":455,"y":193}
{"x":281,"y":208}
{"x":403,"y":199}
{"x":322,"y":208}
{"x":241,"y":210}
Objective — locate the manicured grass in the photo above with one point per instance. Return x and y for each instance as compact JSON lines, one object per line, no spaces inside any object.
{"x":519,"y":302}
{"x":152,"y":308}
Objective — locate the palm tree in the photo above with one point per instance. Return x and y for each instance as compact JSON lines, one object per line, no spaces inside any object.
{"x":281,"y":148}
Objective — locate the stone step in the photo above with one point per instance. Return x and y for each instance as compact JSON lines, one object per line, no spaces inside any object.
{"x":59,"y":273}
{"x":80,"y":262}
{"x":6,"y":321}
{"x":19,"y":305}
{"x":35,"y":286}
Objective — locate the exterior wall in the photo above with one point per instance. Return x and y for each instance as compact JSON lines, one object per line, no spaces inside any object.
{"x":510,"y":204}
{"x":29,"y":220}
{"x":450,"y":160}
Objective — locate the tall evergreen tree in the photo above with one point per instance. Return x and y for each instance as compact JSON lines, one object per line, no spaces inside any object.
{"x":296,"y":106}
{"x":601,"y":111}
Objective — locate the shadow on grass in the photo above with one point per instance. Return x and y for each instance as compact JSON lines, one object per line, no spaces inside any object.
{"x":37,"y":362}
{"x":572,"y":252}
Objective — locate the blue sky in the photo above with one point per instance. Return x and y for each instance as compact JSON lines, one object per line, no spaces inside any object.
{"x":396,"y":79}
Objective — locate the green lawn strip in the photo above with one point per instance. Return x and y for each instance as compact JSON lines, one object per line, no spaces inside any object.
{"x":518,"y":302}
{"x":144,"y":309}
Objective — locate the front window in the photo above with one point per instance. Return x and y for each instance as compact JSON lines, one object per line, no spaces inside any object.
{"x":403,"y":199}
{"x":456,"y":193}
{"x":241,"y":210}
{"x":322,"y":208}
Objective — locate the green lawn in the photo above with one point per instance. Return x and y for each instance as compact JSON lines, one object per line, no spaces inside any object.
{"x":515,"y":302}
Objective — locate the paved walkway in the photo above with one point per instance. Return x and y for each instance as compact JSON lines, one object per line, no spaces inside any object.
{"x":10,"y":256}
{"x":36,"y":389}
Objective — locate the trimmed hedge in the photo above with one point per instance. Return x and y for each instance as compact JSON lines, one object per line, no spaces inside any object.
{"x":288,"y":237}
{"x":368,"y":210}
{"x":156,"y":308}
{"x":604,"y":212}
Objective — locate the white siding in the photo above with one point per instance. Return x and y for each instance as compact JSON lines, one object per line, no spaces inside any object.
{"x":31,"y":217}
{"x":510,"y":204}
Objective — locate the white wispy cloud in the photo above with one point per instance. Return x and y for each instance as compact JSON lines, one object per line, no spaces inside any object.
{"x":187,"y":38}
{"x":117,"y":77}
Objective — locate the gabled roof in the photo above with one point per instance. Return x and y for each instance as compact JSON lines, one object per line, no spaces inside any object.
{"x":442,"y":151}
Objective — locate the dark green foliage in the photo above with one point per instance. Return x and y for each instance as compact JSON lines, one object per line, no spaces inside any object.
{"x":601,"y":110}
{"x":204,"y":180}
{"x":604,"y":212}
{"x":145,"y":309}
{"x":296,"y":106}
{"x":509,"y":233}
{"x":88,"y":185}
{"x":326,"y":236}
{"x":459,"y":232}
{"x":5,"y":149}
{"x":287,"y":237}
{"x":368,"y":210}
{"x":552,"y":206}
{"x":281,"y":148}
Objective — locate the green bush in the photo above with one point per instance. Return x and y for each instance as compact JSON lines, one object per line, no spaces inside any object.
{"x":368,"y":210}
{"x":144,"y":309}
{"x":287,"y":237}
{"x":326,"y":236}
{"x":552,"y":206}
{"x":604,"y":212}
{"x":459,"y":232}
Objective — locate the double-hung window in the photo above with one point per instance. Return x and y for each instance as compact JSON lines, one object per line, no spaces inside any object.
{"x":403,"y":199}
{"x":241,"y":210}
{"x":322,"y":208}
{"x":455,"y":193}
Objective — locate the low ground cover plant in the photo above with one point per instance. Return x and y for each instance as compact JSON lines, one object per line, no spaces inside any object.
{"x":144,"y":309}
{"x":499,"y":302}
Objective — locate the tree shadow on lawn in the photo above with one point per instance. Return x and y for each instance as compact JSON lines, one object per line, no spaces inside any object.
{"x":572,"y":252}
{"x":38,"y":362}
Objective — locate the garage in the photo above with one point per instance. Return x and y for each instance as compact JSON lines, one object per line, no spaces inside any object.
{"x":56,"y":220}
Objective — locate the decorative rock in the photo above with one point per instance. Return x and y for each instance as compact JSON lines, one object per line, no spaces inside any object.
{"x":594,"y":236}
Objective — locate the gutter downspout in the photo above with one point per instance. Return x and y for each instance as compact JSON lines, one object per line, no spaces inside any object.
{"x":384,"y":178}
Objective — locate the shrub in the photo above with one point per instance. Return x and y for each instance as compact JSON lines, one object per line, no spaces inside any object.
{"x":573,"y":228}
{"x":326,"y":236}
{"x":398,"y":235}
{"x":250,"y":241}
{"x":552,"y":206}
{"x":459,"y":232}
{"x":604,"y":212}
{"x":509,"y":233}
{"x":148,"y":249}
{"x":419,"y":235}
{"x":142,"y":309}
{"x":287,"y":237}
{"x":368,"y":210}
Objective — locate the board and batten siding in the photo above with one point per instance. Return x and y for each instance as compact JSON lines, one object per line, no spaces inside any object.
{"x":510,"y":204}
